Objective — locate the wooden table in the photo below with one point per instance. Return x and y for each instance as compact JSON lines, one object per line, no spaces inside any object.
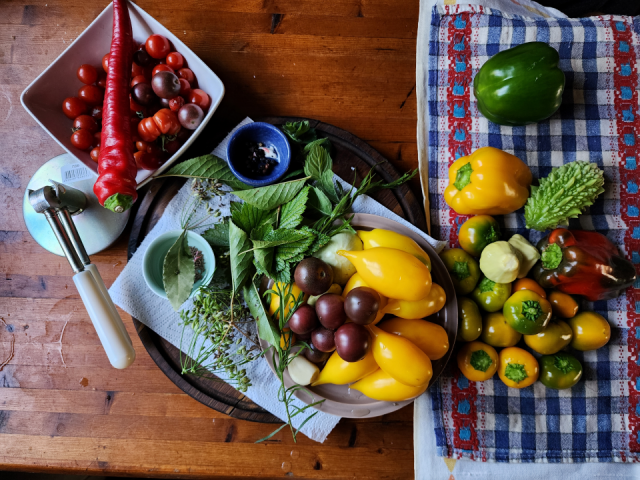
{"x":350,"y":63}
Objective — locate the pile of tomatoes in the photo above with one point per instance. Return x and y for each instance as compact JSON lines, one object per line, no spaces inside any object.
{"x":165,"y":104}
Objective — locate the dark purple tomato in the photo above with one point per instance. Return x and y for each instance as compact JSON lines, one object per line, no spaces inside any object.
{"x":304,"y":320}
{"x":313,"y":276}
{"x":314,"y":355}
{"x":164,"y":102}
{"x":322,"y":339}
{"x":142,"y":58}
{"x":305,"y":337}
{"x":190,"y":117}
{"x":330,"y":310}
{"x":143,"y":94}
{"x":166,"y":84}
{"x":352,"y":342}
{"x":361,"y":305}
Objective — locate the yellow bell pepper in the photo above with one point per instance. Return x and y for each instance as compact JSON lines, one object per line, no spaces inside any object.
{"x":340,"y":372}
{"x":421,"y":308}
{"x":429,"y":337}
{"x":382,"y":386}
{"x":488,"y":182}
{"x":400,"y":358}
{"x":391,"y":272}
{"x":356,"y":281}
{"x":387,"y":238}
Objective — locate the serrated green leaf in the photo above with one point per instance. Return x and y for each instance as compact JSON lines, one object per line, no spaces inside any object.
{"x":282,"y":236}
{"x":294,"y":251}
{"x":272,"y":196}
{"x":263,"y":261}
{"x":319,"y":167}
{"x":241,"y":263}
{"x":207,"y":166}
{"x":321,"y":142}
{"x":218,"y":235}
{"x":291,"y":213}
{"x":248,"y":217}
{"x":259,"y":233}
{"x":319,"y":201}
{"x":299,"y":132}
{"x":178,"y":272}
{"x":320,"y":241}
{"x":267,"y":331}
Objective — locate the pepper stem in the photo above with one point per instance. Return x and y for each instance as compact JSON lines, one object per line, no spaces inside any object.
{"x":463,"y":176}
{"x":118,"y":203}
{"x":531,"y":310}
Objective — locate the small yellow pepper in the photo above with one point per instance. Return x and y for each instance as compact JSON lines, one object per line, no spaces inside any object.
{"x":477,"y":361}
{"x":356,"y":281}
{"x":488,"y":182}
{"x":341,"y":372}
{"x":400,"y":358}
{"x":387,"y":238}
{"x":382,"y":386}
{"x":517,"y":368}
{"x":391,"y":272}
{"x":421,"y":308}
{"x":429,"y":337}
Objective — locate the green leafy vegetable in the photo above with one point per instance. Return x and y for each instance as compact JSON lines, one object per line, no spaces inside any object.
{"x":291,"y":213}
{"x":515,"y":372}
{"x":272,"y":196}
{"x":207,"y":166}
{"x":321,"y":142}
{"x":319,"y":201}
{"x":564,"y":194}
{"x":551,"y":256}
{"x":241,"y":263}
{"x":178,"y":272}
{"x":319,"y":167}
{"x":247,"y":217}
{"x":218,"y":235}
{"x":267,"y":331}
{"x":282,"y":236}
{"x":299,"y":132}
{"x":263,"y":261}
{"x":480,"y":360}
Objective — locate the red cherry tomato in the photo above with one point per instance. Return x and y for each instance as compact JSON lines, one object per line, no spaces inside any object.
{"x":167,"y":122}
{"x":142,"y":146}
{"x":87,"y":74}
{"x":147,"y":161}
{"x":73,"y":107}
{"x":85,"y":122}
{"x":136,"y":69}
{"x":175,"y":60}
{"x":188,"y":75}
{"x":135,"y":106}
{"x":161,"y":68}
{"x":175,"y":103}
{"x":95,"y":154}
{"x":185,"y":88}
{"x":157,"y":46}
{"x":97,"y":139}
{"x":102,"y":79}
{"x":200,"y":98}
{"x":82,"y":139}
{"x":105,"y":63}
{"x":91,"y":95}
{"x":138,"y":79}
{"x":96,"y":112}
{"x":172,"y":146}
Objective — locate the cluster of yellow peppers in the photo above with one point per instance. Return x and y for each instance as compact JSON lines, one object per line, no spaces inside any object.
{"x":397,"y":366}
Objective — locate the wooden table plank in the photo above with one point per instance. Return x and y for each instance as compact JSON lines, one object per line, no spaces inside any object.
{"x":350,"y":63}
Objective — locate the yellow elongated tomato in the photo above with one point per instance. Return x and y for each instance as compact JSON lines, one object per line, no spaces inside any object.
{"x":429,"y":337}
{"x":469,"y":320}
{"x":497,"y":332}
{"x":387,"y":238}
{"x":340,"y":372}
{"x":433,"y":303}
{"x":391,"y":272}
{"x":400,"y":358}
{"x":563,"y":305}
{"x":274,"y":305}
{"x":590,"y":331}
{"x":477,"y":361}
{"x":287,"y":338}
{"x":517,"y":368}
{"x":382,"y":386}
{"x":553,"y":338}
{"x":356,"y":281}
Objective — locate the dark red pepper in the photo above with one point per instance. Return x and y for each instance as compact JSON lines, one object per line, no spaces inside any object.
{"x":116,"y":184}
{"x":582,"y":263}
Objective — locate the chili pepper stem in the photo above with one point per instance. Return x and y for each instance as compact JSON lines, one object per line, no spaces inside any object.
{"x":118,"y":202}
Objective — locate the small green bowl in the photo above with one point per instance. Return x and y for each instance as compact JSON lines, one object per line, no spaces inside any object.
{"x":154,"y":259}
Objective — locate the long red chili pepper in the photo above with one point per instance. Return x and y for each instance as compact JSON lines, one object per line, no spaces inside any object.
{"x":116,"y":184}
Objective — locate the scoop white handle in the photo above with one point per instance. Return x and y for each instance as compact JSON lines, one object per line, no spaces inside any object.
{"x":108,"y":324}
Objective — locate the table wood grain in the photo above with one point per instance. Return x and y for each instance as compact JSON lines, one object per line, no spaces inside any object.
{"x":63,"y":409}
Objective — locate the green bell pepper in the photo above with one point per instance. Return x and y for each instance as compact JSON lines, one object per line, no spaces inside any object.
{"x":464,"y":269}
{"x":527,"y":312}
{"x":520,"y":85}
{"x":490,"y":296}
{"x":561,"y":370}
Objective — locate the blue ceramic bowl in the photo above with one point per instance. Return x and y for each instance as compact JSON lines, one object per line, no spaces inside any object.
{"x":265,"y":133}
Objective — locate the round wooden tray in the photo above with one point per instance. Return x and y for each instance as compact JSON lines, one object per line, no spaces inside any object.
{"x":350,"y":155}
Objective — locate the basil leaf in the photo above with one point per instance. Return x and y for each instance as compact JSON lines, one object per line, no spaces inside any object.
{"x":241,"y":263}
{"x":266,"y":329}
{"x":291,"y":213}
{"x":319,"y":201}
{"x":178,"y":272}
{"x":207,"y":166}
{"x":272,"y":196}
{"x":218,"y":235}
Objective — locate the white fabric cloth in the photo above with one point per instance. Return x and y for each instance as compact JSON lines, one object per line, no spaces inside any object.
{"x":429,"y":466}
{"x":130,"y":293}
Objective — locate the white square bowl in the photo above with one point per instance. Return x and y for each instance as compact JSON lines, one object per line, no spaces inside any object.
{"x":44,"y":96}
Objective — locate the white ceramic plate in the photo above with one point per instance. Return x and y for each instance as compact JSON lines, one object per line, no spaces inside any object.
{"x":340,"y":400}
{"x":43,"y":97}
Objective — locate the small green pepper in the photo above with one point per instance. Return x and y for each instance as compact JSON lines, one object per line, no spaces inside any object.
{"x":561,"y":370}
{"x":490,"y":296}
{"x":463,"y":268}
{"x":527,"y":312}
{"x":478,"y":232}
{"x":469,"y":320}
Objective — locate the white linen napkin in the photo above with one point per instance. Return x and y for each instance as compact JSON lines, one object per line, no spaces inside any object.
{"x":130,"y":293}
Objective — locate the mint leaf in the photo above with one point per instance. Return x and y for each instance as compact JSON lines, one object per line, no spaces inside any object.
{"x":319,"y":202}
{"x":321,"y":142}
{"x":259,"y":233}
{"x":218,"y":235}
{"x":294,"y":251}
{"x":551,"y":256}
{"x":283,"y":236}
{"x":480,"y":360}
{"x":291,"y":213}
{"x":248,"y":217}
{"x":267,"y":331}
{"x":321,"y":240}
{"x":178,"y":272}
{"x":463,"y":176}
{"x":319,"y":167}
{"x":241,"y":263}
{"x":515,"y":372}
{"x":207,"y":166}
{"x":299,"y":132}
{"x":272,"y":196}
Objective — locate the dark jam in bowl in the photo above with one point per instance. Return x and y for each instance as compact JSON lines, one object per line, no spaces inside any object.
{"x":258,"y":160}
